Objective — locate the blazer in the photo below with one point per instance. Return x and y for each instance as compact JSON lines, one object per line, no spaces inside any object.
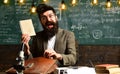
{"x":64,"y":44}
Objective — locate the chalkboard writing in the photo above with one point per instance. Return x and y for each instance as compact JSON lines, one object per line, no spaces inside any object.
{"x":11,"y":14}
{"x":95,"y":24}
{"x":92,"y":25}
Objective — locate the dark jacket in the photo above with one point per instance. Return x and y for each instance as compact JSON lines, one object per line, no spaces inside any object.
{"x":64,"y":44}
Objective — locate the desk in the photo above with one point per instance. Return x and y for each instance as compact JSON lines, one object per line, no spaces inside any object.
{"x":41,"y":65}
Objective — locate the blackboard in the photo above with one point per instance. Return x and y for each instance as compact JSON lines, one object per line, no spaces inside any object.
{"x":95,"y":24}
{"x":92,"y":25}
{"x":10,"y":15}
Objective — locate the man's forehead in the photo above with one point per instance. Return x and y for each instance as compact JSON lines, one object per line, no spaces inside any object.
{"x":48,"y":12}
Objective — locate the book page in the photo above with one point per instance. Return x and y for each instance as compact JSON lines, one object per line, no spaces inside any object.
{"x":27,"y":27}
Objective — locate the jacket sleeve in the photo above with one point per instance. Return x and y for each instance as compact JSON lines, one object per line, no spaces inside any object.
{"x":70,"y":57}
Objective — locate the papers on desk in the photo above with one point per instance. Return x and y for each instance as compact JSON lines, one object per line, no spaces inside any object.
{"x":75,"y":70}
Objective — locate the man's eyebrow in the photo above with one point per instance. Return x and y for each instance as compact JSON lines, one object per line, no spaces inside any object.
{"x":42,"y":16}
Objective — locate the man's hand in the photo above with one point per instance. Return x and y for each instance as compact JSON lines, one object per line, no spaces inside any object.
{"x":50,"y":53}
{"x":25,"y":39}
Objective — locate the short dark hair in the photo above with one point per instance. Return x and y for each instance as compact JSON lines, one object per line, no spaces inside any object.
{"x":41,"y":8}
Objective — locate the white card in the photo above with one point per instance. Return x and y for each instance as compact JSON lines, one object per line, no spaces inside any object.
{"x":27,"y":27}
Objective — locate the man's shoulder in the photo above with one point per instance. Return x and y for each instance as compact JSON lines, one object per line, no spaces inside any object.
{"x":64,"y":31}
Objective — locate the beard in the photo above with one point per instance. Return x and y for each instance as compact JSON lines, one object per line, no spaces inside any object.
{"x":49,"y":33}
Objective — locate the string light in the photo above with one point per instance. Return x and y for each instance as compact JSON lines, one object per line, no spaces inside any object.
{"x":108,"y":4}
{"x":33,"y":8}
{"x":118,"y":2}
{"x":5,"y":1}
{"x":63,"y":7}
{"x":94,"y":2}
{"x":73,"y":2}
{"x":21,"y":2}
{"x":44,"y":0}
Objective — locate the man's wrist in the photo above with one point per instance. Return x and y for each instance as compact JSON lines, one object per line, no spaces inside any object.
{"x":28,"y":52}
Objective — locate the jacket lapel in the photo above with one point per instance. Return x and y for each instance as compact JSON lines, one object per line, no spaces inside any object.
{"x":45,"y":45}
{"x":56,"y":43}
{"x":57,"y":40}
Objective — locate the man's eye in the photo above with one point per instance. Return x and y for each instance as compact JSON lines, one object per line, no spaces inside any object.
{"x":43,"y":17}
{"x":51,"y":16}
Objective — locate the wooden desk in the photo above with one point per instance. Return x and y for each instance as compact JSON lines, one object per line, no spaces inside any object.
{"x":41,"y":65}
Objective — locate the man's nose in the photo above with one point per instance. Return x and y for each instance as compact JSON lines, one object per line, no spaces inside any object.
{"x":48,"y":19}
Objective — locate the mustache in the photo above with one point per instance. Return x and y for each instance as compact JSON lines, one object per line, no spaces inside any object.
{"x":49,"y":23}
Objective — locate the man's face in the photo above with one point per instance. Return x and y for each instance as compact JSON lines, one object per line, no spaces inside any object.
{"x":48,"y":19}
{"x":49,"y":22}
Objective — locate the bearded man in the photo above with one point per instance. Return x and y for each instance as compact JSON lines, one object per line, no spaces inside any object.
{"x":52,"y":42}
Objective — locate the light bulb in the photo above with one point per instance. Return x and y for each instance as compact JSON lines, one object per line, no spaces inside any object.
{"x":5,"y":1}
{"x":108,"y":4}
{"x":21,"y":1}
{"x":44,"y":0}
{"x":95,"y":2}
{"x":119,"y":2}
{"x":33,"y":9}
{"x":74,"y":2}
{"x":63,"y":5}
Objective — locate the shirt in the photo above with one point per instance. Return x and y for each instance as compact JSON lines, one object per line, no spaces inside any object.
{"x":51,"y":43}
